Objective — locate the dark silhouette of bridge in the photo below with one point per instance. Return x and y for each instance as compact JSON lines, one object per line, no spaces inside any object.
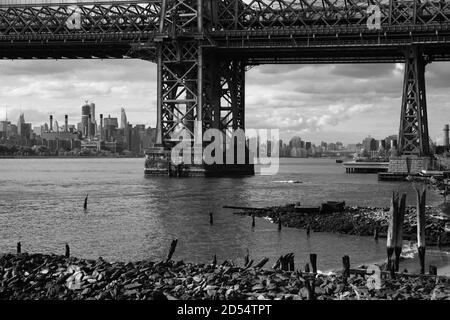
{"x":203,"y":48}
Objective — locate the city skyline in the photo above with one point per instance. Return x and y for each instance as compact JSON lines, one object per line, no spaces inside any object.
{"x":317,"y":102}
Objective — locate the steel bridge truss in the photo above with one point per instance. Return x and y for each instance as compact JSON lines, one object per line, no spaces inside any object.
{"x":413,"y":133}
{"x":203,"y":47}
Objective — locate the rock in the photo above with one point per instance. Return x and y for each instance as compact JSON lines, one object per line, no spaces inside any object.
{"x":132,"y":286}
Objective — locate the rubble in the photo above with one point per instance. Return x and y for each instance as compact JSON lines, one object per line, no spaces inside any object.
{"x":38,"y":276}
{"x":357,"y":220}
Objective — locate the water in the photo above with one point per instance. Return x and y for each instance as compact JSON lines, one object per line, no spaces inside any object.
{"x":131,"y":217}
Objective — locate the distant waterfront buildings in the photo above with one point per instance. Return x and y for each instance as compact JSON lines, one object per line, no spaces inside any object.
{"x":84,"y":138}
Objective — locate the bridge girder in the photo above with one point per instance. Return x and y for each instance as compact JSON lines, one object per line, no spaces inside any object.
{"x":203,"y":46}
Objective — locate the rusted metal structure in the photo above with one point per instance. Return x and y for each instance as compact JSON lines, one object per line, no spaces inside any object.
{"x":204,"y":47}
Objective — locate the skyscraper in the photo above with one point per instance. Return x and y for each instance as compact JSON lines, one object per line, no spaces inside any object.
{"x":123,"y":119}
{"x":85,"y":112}
{"x":19,"y":123}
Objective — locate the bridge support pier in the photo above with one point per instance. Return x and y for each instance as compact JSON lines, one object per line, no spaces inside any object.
{"x":414,"y":152}
{"x":197,"y":91}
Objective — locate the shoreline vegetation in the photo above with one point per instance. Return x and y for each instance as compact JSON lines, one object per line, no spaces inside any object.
{"x":356,"y":220}
{"x":38,"y":276}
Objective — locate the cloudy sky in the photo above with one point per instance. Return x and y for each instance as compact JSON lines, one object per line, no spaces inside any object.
{"x":317,"y":102}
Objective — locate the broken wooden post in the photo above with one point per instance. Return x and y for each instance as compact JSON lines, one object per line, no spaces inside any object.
{"x":399,"y":231}
{"x":307,"y":268}
{"x":67,"y":251}
{"x":246,"y":258}
{"x":433,"y":270}
{"x":308,"y":229}
{"x":310,"y":289}
{"x":262,"y":263}
{"x":375,"y":233}
{"x":346,"y":265}
{"x":421,"y":200}
{"x":278,"y":263}
{"x":285,"y":262}
{"x":214,"y":262}
{"x":211,"y":218}
{"x":85,"y":202}
{"x":173,"y":246}
{"x":19,"y":248}
{"x":253,"y":220}
{"x":279,"y":222}
{"x":292,"y":263}
{"x":391,"y":237}
{"x":313,"y":260}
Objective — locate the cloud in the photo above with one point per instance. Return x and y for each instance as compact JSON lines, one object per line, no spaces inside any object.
{"x":318,"y":102}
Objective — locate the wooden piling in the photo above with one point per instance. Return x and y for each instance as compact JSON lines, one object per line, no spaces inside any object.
{"x":173,"y":246}
{"x":308,"y":230}
{"x":421,"y":245}
{"x":279,"y":222}
{"x":214,"y":262}
{"x":67,"y":251}
{"x":253,"y":220}
{"x":433,"y":270}
{"x":246,"y":258}
{"x":346,"y":268}
{"x":313,"y":260}
{"x":375,"y":233}
{"x":391,"y":237}
{"x":310,"y":289}
{"x":399,"y":231}
{"x":307,"y":270}
{"x":292,"y":263}
{"x":262,"y":263}
{"x":85,"y":202}
{"x":19,"y":248}
{"x":211,"y":218}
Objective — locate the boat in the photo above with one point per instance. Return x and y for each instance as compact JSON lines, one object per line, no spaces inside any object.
{"x":339,"y":160}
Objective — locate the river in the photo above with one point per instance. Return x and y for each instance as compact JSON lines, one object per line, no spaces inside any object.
{"x":133,"y":217}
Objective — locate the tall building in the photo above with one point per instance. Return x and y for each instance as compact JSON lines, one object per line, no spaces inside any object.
{"x":123,"y":119}
{"x":446,"y":136}
{"x":19,"y":124}
{"x":85,"y":113}
{"x":109,"y":126}
{"x":370,"y":144}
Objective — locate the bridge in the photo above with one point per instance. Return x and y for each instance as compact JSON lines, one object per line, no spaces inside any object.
{"x":203,"y":48}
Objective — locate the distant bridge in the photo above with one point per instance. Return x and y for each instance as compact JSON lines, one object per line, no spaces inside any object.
{"x":203,"y":47}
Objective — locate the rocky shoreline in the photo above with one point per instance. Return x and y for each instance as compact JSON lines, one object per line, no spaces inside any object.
{"x":362,"y":221}
{"x":38,"y":276}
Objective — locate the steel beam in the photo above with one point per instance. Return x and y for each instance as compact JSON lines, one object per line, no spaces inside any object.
{"x":413,"y":133}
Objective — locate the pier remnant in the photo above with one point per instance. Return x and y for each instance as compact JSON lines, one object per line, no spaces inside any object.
{"x":307,"y":270}
{"x":375,"y":233}
{"x":173,"y":246}
{"x":279,"y":221}
{"x":262,"y":263}
{"x":253,"y":220}
{"x":85,"y":202}
{"x":214,"y":262}
{"x":313,"y":260}
{"x":433,"y":270}
{"x":395,"y":231}
{"x":399,"y":231}
{"x":346,"y":265}
{"x":421,"y":245}
{"x":19,"y":248}
{"x":67,"y":251}
{"x":211,"y":218}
